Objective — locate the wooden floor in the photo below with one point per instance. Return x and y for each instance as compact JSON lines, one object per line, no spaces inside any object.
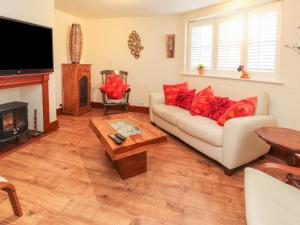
{"x":65,"y":178}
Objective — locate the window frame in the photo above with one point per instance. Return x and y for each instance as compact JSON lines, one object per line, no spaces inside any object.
{"x":214,"y":71}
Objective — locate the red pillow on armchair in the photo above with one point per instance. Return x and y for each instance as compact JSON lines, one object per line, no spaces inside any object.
{"x":114,"y":86}
{"x":172,"y":91}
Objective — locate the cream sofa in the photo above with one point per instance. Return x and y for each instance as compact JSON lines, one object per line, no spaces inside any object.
{"x":233,"y":145}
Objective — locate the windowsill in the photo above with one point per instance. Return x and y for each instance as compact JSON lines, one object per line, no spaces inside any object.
{"x":254,"y":79}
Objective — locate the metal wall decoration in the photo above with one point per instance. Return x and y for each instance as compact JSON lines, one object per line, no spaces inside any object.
{"x":75,"y":43}
{"x":170,"y":45}
{"x":134,"y":44}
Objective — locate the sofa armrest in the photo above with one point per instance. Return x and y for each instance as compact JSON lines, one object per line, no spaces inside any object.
{"x":154,"y":99}
{"x":240,"y":143}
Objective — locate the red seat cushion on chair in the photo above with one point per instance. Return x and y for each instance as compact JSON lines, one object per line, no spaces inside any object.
{"x":172,"y":91}
{"x":114,"y":86}
{"x":185,"y":98}
{"x":200,"y":103}
{"x":245,"y":107}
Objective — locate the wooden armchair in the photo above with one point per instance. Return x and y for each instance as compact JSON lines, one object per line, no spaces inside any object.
{"x":11,"y":191}
{"x":109,"y":102}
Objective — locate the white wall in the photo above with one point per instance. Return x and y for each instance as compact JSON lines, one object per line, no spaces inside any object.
{"x":106,"y":47}
{"x":39,"y":12}
{"x":62,"y":26}
{"x":284,"y":98}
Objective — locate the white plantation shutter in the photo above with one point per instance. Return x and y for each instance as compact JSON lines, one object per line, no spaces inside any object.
{"x":262,"y":41}
{"x":230,"y":34}
{"x":201,"y":46}
{"x":249,"y":37}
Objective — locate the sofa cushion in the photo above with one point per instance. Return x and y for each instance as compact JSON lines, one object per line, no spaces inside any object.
{"x":169,"y":113}
{"x":171,"y":92}
{"x":203,"y":128}
{"x":185,"y":98}
{"x":245,"y":107}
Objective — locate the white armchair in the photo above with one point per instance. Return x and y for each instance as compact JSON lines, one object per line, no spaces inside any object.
{"x":270,"y":201}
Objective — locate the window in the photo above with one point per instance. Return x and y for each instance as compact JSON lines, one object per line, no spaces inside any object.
{"x":229,"y":42}
{"x":250,"y":37}
{"x":262,"y":41}
{"x":201,"y":45}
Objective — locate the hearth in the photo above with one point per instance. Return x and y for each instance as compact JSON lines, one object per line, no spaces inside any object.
{"x":13,"y":120}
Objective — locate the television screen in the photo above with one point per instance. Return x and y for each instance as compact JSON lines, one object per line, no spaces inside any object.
{"x":24,"y":48}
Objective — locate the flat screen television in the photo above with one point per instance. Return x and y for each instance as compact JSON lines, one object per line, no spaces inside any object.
{"x":25,"y":48}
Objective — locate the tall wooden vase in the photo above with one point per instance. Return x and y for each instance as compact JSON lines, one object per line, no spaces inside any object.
{"x":75,"y":43}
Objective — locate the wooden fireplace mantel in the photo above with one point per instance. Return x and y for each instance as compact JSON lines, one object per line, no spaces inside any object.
{"x":12,"y":81}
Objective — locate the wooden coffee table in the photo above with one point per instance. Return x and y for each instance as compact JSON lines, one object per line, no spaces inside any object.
{"x":129,"y":158}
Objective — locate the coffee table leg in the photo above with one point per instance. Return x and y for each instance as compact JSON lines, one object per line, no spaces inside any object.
{"x":132,"y":165}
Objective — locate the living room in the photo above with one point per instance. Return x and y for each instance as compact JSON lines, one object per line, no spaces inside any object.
{"x":149,"y":112}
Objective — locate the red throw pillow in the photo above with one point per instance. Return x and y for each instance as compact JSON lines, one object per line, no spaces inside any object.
{"x":114,"y":86}
{"x":200,"y":101}
{"x":185,"y":98}
{"x":172,"y":91}
{"x":245,"y":107}
{"x":217,"y":106}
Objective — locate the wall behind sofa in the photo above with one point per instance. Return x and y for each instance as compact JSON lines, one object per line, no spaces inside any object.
{"x":106,"y":47}
{"x":284,"y":98}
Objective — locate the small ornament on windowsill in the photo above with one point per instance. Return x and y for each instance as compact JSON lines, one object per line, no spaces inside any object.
{"x":245,"y":74}
{"x":201,"y":69}
{"x":34,"y":132}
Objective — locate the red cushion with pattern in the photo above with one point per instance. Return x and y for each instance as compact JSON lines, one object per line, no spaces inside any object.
{"x":245,"y":107}
{"x":200,"y":101}
{"x":172,"y":91}
{"x":114,"y":86}
{"x":217,"y":106}
{"x":185,"y":98}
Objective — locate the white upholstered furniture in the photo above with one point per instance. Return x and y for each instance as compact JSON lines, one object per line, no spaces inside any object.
{"x":270,"y":201}
{"x":233,"y":145}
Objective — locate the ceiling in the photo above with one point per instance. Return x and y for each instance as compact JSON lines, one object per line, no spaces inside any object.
{"x":130,"y":8}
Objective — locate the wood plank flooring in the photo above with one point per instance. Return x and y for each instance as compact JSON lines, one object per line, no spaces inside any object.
{"x":65,"y":178}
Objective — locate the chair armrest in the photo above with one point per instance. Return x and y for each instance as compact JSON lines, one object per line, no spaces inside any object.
{"x":240,"y":143}
{"x":281,"y":168}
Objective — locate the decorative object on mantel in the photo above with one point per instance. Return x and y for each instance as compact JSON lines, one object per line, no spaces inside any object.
{"x":245,"y":74}
{"x":201,"y":69}
{"x":170,"y":45}
{"x":134,"y":44}
{"x":295,"y":46}
{"x":34,"y":132}
{"x":75,"y":46}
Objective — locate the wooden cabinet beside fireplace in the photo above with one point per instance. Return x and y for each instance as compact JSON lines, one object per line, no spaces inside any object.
{"x":76,"y":88}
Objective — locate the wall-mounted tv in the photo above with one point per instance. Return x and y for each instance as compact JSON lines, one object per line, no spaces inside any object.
{"x":25,"y":48}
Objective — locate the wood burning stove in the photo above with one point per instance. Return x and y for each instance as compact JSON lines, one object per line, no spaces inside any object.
{"x":13,"y":120}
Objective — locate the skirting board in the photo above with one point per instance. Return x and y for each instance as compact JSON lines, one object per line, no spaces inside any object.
{"x":131,"y":108}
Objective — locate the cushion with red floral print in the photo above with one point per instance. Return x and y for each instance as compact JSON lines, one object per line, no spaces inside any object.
{"x":172,"y":90}
{"x":217,"y":106}
{"x":114,"y":86}
{"x":185,"y":98}
{"x":245,"y":107}
{"x":200,"y":101}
